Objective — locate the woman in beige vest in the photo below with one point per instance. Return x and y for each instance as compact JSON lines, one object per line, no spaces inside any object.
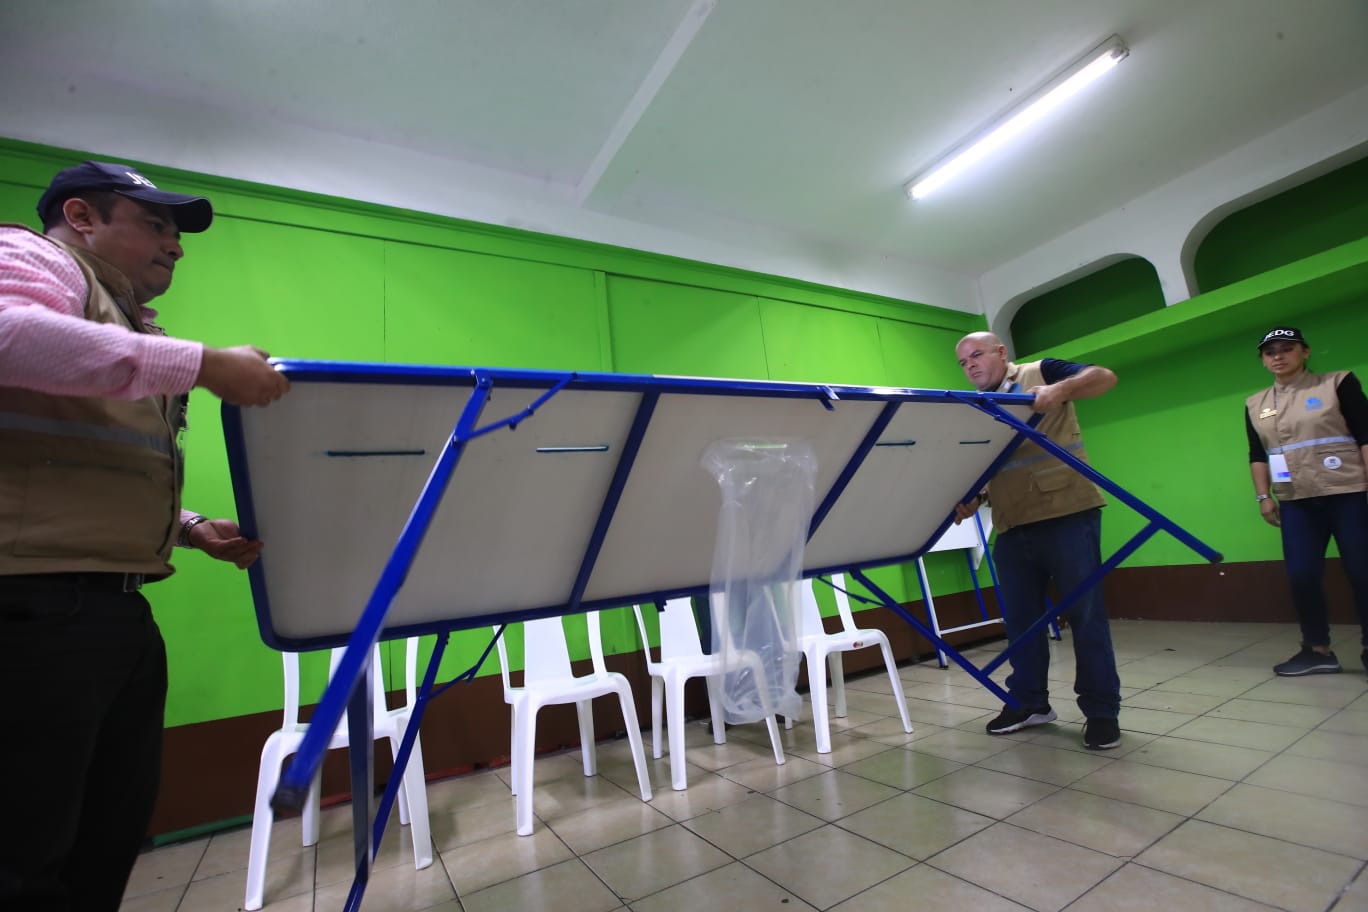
{"x":1308,"y":453}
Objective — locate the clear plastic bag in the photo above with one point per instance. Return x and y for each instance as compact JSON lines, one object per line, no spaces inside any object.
{"x":768,"y":497}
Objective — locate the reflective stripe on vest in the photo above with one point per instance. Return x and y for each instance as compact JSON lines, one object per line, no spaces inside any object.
{"x":12,"y":421}
{"x":1319,"y":441}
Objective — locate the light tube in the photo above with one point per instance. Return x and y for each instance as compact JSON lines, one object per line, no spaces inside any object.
{"x":1047,"y":98}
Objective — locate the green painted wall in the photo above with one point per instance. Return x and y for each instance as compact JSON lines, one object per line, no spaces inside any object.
{"x":306,"y":276}
{"x":1307,"y":219}
{"x":1172,"y":430}
{"x":1121,"y":291}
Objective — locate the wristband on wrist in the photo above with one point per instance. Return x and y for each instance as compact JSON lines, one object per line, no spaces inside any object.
{"x":183,"y":539}
{"x":1262,"y":497}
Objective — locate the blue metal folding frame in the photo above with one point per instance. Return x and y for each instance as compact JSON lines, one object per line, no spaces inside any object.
{"x":348,"y":690}
{"x":1157,"y":522}
{"x":984,"y":620}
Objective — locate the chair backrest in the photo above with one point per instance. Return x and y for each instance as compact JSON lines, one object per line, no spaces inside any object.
{"x":838,"y":581}
{"x":679,"y":634}
{"x":738,"y":630}
{"x":546,"y":655}
{"x":679,"y":630}
{"x":965,"y":536}
{"x":411,"y":671}
{"x":809,"y":613}
{"x":379,"y":702}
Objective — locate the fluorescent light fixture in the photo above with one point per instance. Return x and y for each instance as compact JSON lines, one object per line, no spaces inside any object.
{"x":1011,"y":124}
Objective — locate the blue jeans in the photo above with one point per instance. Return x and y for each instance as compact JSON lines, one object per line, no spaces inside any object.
{"x":1307,"y":525}
{"x":1063,"y":551}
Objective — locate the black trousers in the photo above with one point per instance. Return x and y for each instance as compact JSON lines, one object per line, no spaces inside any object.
{"x":83,"y":679}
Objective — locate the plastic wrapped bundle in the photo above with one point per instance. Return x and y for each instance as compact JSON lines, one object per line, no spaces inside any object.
{"x":768,"y":494}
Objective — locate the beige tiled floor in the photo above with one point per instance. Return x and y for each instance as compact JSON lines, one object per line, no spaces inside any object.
{"x":1232,"y":791}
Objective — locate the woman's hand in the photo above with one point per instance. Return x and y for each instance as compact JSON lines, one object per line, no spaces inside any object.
{"x":1268,"y":509}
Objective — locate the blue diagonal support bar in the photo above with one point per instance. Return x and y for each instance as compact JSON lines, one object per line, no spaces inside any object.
{"x":630,"y":448}
{"x":852,"y":465}
{"x":1094,"y":579}
{"x":1097,"y":478}
{"x":936,"y":641}
{"x":294,"y":782}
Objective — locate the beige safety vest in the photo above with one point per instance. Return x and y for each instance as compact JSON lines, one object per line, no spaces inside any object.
{"x":1302,"y":422}
{"x":1034,"y":485}
{"x":90,"y":483}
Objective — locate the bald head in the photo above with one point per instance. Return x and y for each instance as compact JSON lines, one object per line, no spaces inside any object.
{"x":983,"y":358}
{"x":981,"y":338}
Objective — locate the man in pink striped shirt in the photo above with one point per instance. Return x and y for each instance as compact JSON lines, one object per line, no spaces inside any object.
{"x":92,"y":397}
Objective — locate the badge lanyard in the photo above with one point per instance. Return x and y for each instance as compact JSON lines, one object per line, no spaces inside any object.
{"x":1277,"y":462}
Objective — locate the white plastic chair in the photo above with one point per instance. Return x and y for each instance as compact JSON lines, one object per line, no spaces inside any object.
{"x":821,"y":649}
{"x":971,"y":537}
{"x":682,"y":658}
{"x":282,"y":743}
{"x":548,"y":680}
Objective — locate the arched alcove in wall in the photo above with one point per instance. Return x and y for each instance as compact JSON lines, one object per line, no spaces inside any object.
{"x":1107,"y":293}
{"x":1321,"y":209}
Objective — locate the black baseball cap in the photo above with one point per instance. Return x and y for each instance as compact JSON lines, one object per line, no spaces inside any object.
{"x":192,"y":213}
{"x":1282,"y":334}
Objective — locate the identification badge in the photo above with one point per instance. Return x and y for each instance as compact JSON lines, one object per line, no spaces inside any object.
{"x":1332,"y":462}
{"x":1268,"y":413}
{"x":1277,"y":464}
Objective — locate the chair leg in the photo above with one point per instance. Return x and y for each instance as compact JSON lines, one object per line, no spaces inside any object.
{"x":415,"y":786}
{"x":674,"y":727}
{"x":657,"y":698}
{"x":585,"y":709}
{"x":772,"y":724}
{"x":523,"y":745}
{"x":775,"y":741}
{"x":797,"y":717}
{"x":719,"y":723}
{"x":311,"y":812}
{"x":268,"y":775}
{"x":817,"y":687}
{"x":836,"y":664}
{"x":896,"y":683}
{"x":401,"y":801}
{"x":629,"y":717}
{"x":514,"y":752}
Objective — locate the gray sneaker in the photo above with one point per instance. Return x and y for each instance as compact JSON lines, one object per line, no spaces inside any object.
{"x":1308,"y":662}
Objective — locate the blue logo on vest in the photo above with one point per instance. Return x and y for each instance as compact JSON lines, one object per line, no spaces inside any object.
{"x":1312,"y":404}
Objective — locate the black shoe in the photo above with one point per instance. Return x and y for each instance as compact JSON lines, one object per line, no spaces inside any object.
{"x":1308,"y":662}
{"x":1010,"y":720}
{"x":1101,"y":734}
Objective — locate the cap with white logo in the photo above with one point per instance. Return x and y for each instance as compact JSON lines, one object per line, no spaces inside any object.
{"x":1282,"y":334}
{"x":192,"y":213}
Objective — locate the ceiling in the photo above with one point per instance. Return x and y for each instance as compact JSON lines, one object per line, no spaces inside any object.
{"x":770,"y":134}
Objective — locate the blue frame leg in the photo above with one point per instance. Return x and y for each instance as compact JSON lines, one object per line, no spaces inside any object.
{"x":936,"y":641}
{"x":361,"y":755}
{"x":401,"y":761}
